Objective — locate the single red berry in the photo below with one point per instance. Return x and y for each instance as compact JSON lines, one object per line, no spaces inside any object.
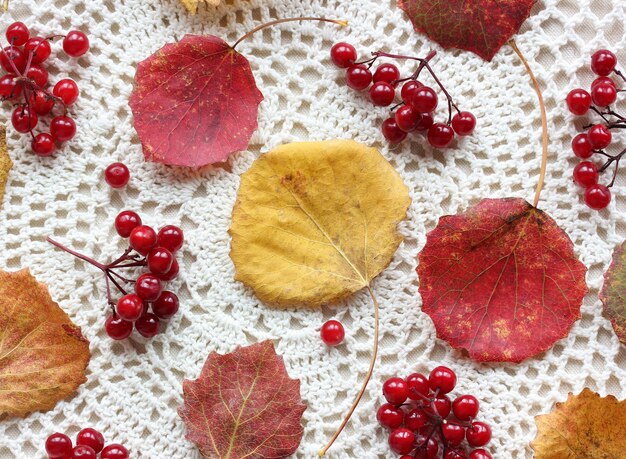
{"x":603,"y":80}
{"x":62,"y":128}
{"x":118,"y":328}
{"x":424,"y":100}
{"x":66,"y":90}
{"x":479,"y":434}
{"x":440,"y":135}
{"x":12,"y":58}
{"x":38,"y":74}
{"x":114,"y":451}
{"x":58,"y":446}
{"x":148,"y":325}
{"x":166,"y":305}
{"x":389,"y":416}
{"x":464,"y":123}
{"x":171,"y":237}
{"x":402,"y":441}
{"x":599,"y":136}
{"x":43,"y":144}
{"x":92,"y":438}
{"x":426,"y":121}
{"x":454,"y":454}
{"x":130,"y":307}
{"x":603,"y":62}
{"x":40,"y":47}
{"x":172,"y":273}
{"x":148,"y":286}
{"x":407,"y":118}
{"x":160,"y":260}
{"x":578,"y":101}
{"x":432,"y":446}
{"x":75,"y":43}
{"x":126,"y":221}
{"x":396,"y":391}
{"x":343,"y":55}
{"x":40,"y":102}
{"x":392,"y":132}
{"x":117,"y":175}
{"x":480,"y":454}
{"x":83,"y":452}
{"x":586,"y":174}
{"x":442,"y":379}
{"x":465,"y":407}
{"x":418,"y":385}
{"x":382,"y":94}
{"x":604,"y":94}
{"x":597,"y":196}
{"x":143,"y":238}
{"x":443,"y":405}
{"x":332,"y":333}
{"x":408,"y":90}
{"x":416,"y":419}
{"x":23,"y":120}
{"x":388,"y":73}
{"x":454,"y":434}
{"x":582,"y":147}
{"x":17,"y":34}
{"x":8,"y":87}
{"x":358,"y":77}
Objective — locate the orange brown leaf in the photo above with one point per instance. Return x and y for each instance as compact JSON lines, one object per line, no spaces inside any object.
{"x":5,"y":162}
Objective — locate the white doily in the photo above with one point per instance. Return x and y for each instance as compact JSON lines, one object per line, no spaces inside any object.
{"x":134,"y":387}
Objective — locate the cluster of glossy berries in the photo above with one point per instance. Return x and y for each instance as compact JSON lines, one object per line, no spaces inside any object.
{"x":27,"y":87}
{"x":598,"y":137}
{"x":425,"y":424}
{"x":415,"y":111}
{"x":89,"y":443}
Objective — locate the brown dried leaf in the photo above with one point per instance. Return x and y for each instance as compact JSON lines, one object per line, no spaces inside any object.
{"x":192,"y":5}
{"x":5,"y":162}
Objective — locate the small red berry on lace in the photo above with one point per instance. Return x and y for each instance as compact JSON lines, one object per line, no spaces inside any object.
{"x":89,"y":442}
{"x":332,"y":333}
{"x":117,"y":175}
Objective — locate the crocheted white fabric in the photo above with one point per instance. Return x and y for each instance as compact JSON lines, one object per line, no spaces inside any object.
{"x":134,"y":387}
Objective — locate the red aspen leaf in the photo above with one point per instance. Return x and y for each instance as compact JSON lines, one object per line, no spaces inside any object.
{"x":480,"y":26}
{"x":613,"y":294}
{"x":501,"y":280}
{"x":43,"y":355}
{"x":195,"y":102}
{"x":244,"y":405}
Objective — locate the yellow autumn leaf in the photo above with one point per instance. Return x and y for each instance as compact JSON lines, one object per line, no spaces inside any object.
{"x":192,"y":5}
{"x":315,"y":222}
{"x":585,"y":426}
{"x":5,"y":162}
{"x":43,"y":355}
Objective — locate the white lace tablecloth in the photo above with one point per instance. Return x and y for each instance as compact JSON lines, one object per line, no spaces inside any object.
{"x":134,"y":387}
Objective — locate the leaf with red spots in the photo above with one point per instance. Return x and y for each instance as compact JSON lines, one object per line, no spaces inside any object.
{"x":244,"y":405}
{"x":613,"y":294}
{"x":480,"y":26}
{"x":501,"y":280}
{"x":195,"y":102}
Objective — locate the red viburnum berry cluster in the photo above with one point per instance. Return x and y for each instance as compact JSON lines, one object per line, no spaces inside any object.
{"x":419,"y":102}
{"x":598,"y":138}
{"x":149,"y":249}
{"x":89,"y":442}
{"x":26,"y":85}
{"x":426,"y":424}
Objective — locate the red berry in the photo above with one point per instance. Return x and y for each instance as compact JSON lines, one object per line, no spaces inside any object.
{"x":418,"y":384}
{"x":8,"y":88}
{"x":465,"y":407}
{"x":603,"y":62}
{"x":17,"y":34}
{"x":83,"y":452}
{"x":142,"y":239}
{"x":442,"y":379}
{"x":479,"y":434}
{"x":382,"y":94}
{"x":66,"y":90}
{"x":332,"y":333}
{"x":43,"y":144}
{"x":432,"y":447}
{"x":599,"y":136}
{"x":586,"y":174}
{"x":454,"y":454}
{"x":160,"y":260}
{"x":172,"y":273}
{"x":604,"y":94}
{"x":117,"y":175}
{"x":426,"y":121}
{"x":92,"y":438}
{"x":464,"y":123}
{"x":40,"y":47}
{"x":58,"y":446}
{"x":582,"y":147}
{"x":148,"y":287}
{"x":408,"y":90}
{"x":38,"y":74}
{"x":126,"y":222}
{"x":602,"y":80}
{"x":75,"y":43}
{"x":388,"y":73}
{"x":597,"y":196}
{"x":23,"y":120}
{"x":114,"y":451}
{"x":480,"y":454}
{"x":443,"y":405}
{"x":166,"y":305}
{"x":41,"y":103}
{"x":440,"y":135}
{"x":118,"y":328}
{"x":148,"y":325}
{"x":402,"y":441}
{"x":392,"y":132}
{"x":130,"y":307}
{"x":407,"y":118}
{"x":416,"y":419}
{"x":389,"y":416}
{"x":171,"y":237}
{"x":343,"y":55}
{"x":358,"y":77}
{"x":396,"y":391}
{"x":578,"y":101}
{"x":453,"y":433}
{"x":424,"y":100}
{"x":62,"y":128}
{"x":12,"y":58}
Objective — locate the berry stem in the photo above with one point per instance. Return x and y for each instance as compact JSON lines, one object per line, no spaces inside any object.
{"x":282,"y":21}
{"x":368,"y":376}
{"x":544,"y":123}
{"x":89,"y":260}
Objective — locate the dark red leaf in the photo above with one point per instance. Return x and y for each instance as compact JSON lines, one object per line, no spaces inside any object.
{"x":480,"y":26}
{"x":613,"y":294}
{"x":195,"y":102}
{"x":501,"y":280}
{"x":244,"y":405}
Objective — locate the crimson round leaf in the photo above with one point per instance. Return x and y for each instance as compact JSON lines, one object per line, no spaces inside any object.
{"x":244,"y":405}
{"x":501,"y":280}
{"x":195,"y":102}
{"x":613,"y":294}
{"x":480,"y":26}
